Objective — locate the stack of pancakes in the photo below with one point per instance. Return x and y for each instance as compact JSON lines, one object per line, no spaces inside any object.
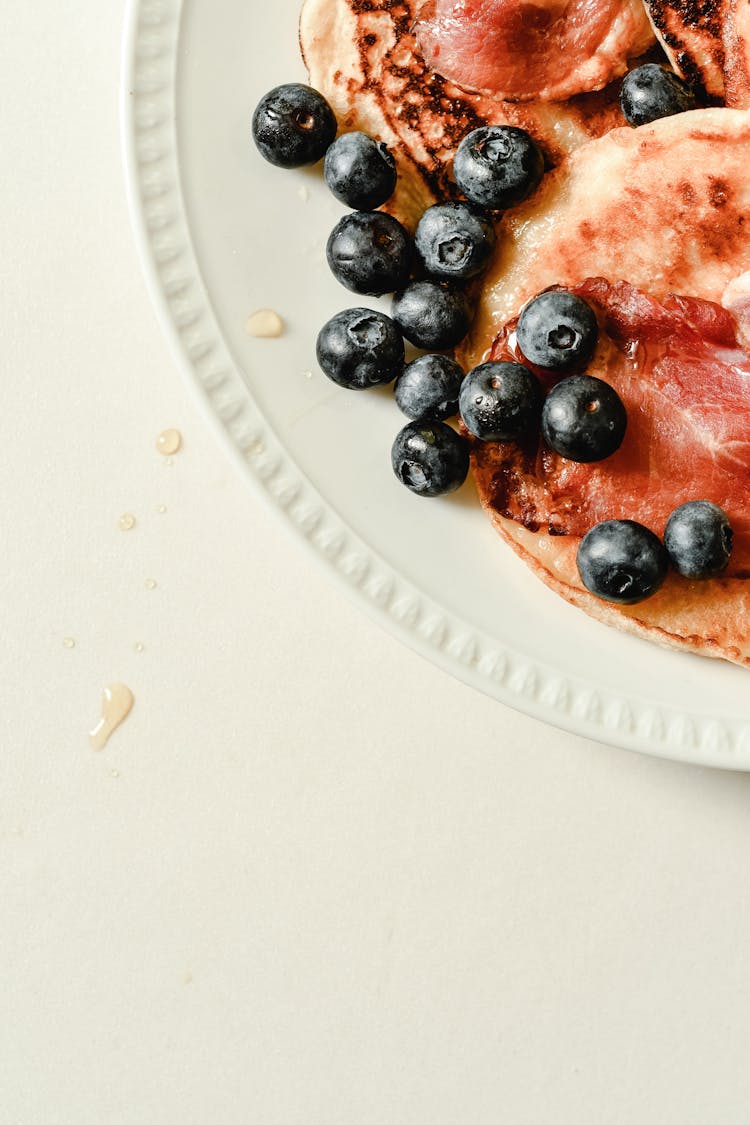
{"x":639,"y":205}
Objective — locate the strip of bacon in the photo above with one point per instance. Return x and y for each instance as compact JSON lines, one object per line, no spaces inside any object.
{"x":524,"y":50}
{"x":685,"y":383}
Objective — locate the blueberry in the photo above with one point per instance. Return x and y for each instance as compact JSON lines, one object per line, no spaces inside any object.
{"x":433,"y":314}
{"x":583,"y":419}
{"x":427,"y":389}
{"x":360,"y":348}
{"x":454,"y":240}
{"x":498,"y":166}
{"x":698,"y":539}
{"x":621,"y":561}
{"x":360,"y":171}
{"x":430,"y":458}
{"x":370,"y":252}
{"x":557,"y":330}
{"x":293,"y":125}
{"x":500,"y":401}
{"x":651,"y":91}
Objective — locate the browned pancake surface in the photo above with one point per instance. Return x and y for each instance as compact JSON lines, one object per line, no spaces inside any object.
{"x":665,"y":207}
{"x":362,"y":55}
{"x":691,"y":32}
{"x":708,"y":42}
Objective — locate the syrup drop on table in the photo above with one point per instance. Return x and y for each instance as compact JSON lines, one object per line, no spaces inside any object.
{"x":126,"y":522}
{"x":69,"y":642}
{"x":150,"y":583}
{"x":169,"y":442}
{"x":117,"y":703}
{"x":265,"y":324}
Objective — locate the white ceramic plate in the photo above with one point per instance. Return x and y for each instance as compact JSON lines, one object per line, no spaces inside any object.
{"x":222,"y":234}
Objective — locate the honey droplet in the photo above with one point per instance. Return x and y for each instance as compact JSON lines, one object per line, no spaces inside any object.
{"x":169,"y":442}
{"x":265,"y":324}
{"x":117,"y":703}
{"x":308,"y":374}
{"x":69,"y":642}
{"x":138,"y":647}
{"x":150,"y":583}
{"x":126,"y":522}
{"x":162,"y":509}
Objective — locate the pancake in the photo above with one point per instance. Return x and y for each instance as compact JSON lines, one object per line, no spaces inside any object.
{"x":736,"y":41}
{"x":708,"y":44}
{"x":663,"y":208}
{"x":363,"y":57}
{"x":691,"y":32}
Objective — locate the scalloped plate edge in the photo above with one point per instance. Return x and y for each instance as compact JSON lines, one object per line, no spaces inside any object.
{"x":184,"y":312}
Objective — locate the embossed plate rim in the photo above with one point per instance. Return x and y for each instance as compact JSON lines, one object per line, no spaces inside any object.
{"x":183,"y":307}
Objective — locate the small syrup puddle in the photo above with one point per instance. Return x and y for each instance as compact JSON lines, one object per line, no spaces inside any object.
{"x":169,"y":442}
{"x":117,"y":703}
{"x":265,"y":324}
{"x":126,"y":522}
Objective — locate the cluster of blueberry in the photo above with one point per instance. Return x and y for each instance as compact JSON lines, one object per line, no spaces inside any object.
{"x":371,"y":253}
{"x":582,"y":418}
{"x":622,"y":561}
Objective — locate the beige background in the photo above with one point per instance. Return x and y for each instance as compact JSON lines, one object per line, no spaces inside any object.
{"x":312,"y":880}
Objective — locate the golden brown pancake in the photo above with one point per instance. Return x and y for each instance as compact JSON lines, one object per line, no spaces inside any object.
{"x":691,"y":32}
{"x":707,"y":42}
{"x":362,"y":55}
{"x":736,"y":40}
{"x":665,"y":208}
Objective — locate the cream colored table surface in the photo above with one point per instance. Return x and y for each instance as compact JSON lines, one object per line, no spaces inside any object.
{"x":311,"y":880}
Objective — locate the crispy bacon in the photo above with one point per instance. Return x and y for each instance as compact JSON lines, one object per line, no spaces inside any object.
{"x":519,"y":50}
{"x":685,"y":383}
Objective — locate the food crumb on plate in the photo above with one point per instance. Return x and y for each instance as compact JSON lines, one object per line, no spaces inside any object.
{"x":265,"y":324}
